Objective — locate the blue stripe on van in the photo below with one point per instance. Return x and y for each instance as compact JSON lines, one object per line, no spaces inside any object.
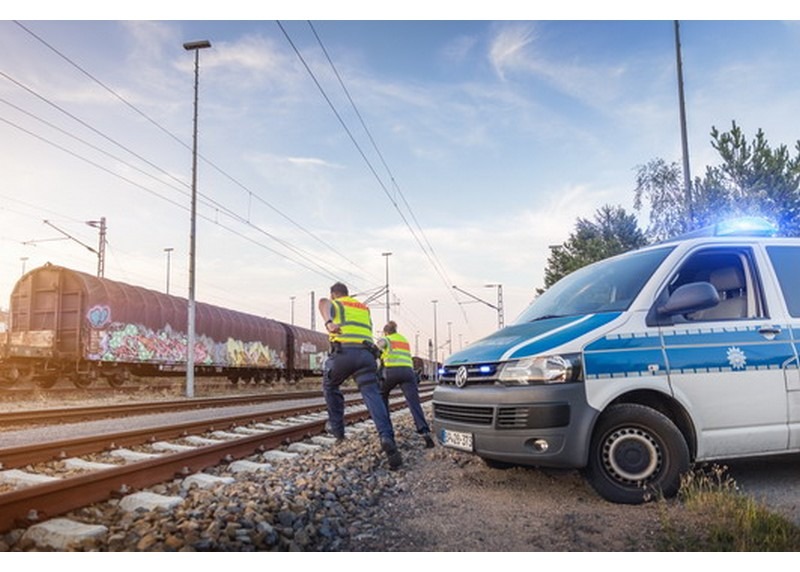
{"x":628,"y":363}
{"x":559,"y":336}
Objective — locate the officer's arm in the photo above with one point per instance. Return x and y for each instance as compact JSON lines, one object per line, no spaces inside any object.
{"x":326,"y":310}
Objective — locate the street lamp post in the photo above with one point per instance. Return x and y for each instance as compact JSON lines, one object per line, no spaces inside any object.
{"x":387,"y":255}
{"x":168,"y":251}
{"x":196,"y":47}
{"x":435,"y":346}
{"x":449,"y":338}
{"x":292,"y":310}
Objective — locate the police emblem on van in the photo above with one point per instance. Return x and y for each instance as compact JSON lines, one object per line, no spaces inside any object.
{"x":461,"y":376}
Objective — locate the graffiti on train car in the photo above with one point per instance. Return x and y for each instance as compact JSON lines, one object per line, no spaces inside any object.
{"x":118,"y":342}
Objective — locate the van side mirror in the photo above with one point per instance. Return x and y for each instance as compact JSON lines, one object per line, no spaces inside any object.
{"x":689,"y":298}
{"x":686,"y":299}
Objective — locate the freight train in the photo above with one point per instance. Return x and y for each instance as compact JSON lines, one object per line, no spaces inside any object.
{"x":68,"y":326}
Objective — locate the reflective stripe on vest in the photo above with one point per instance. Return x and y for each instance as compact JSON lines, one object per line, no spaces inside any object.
{"x":354,"y":320}
{"x":397,"y":352}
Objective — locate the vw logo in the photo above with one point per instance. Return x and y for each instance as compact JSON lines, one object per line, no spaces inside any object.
{"x":461,"y":376}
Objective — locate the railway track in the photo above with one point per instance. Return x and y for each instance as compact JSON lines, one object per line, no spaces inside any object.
{"x":82,"y":413}
{"x":164,"y":453}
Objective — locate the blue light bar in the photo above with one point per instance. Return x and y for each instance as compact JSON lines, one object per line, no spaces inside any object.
{"x":485,"y":369}
{"x":742,"y":226}
{"x":746,"y":226}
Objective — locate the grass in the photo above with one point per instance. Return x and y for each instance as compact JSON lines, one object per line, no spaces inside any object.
{"x":717,"y":517}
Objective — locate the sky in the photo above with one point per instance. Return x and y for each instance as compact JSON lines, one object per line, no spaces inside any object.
{"x":465,"y":148}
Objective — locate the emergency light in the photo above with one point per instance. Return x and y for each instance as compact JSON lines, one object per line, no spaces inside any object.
{"x":740,"y":226}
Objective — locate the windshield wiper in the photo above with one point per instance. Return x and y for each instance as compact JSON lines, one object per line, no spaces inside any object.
{"x":547,"y":317}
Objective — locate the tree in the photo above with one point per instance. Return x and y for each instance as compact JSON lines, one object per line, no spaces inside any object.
{"x":612,"y":232}
{"x":752,"y":179}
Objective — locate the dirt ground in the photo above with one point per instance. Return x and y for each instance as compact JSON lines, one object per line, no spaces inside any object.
{"x":451,"y":501}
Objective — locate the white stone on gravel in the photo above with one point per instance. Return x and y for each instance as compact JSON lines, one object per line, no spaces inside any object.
{"x":197,"y":440}
{"x":323,"y":440}
{"x":250,"y":431}
{"x":148,"y":501}
{"x":205,"y":481}
{"x":244,"y":466}
{"x":279,"y":456}
{"x":16,"y":477}
{"x":226,"y":435}
{"x":61,"y":533}
{"x":81,"y":464}
{"x":133,"y":456}
{"x":173,"y":447}
{"x":303,"y":448}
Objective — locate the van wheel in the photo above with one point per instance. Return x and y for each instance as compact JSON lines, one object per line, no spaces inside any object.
{"x":636,"y":454}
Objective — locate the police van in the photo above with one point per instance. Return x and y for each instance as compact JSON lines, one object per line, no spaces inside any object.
{"x":636,"y":366}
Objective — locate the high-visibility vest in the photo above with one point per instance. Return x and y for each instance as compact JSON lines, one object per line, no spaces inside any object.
{"x":353,"y":319}
{"x":396,"y":352}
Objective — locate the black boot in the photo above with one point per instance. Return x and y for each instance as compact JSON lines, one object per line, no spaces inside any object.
{"x":429,"y":444}
{"x":392,"y":454}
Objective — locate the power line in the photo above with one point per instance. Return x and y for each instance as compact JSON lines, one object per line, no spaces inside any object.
{"x":380,"y":155}
{"x":365,"y":158}
{"x":303,"y":229}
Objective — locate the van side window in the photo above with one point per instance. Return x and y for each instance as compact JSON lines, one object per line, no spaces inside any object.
{"x":786,"y":262}
{"x":731,"y":272}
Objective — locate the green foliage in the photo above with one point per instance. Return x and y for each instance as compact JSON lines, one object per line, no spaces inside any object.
{"x":613,"y":231}
{"x":752,"y":179}
{"x":719,"y":518}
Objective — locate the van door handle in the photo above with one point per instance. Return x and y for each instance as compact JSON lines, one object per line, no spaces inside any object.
{"x":769,"y":331}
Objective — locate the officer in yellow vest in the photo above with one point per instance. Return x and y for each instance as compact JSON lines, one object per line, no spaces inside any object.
{"x":353,"y":354}
{"x":398,"y":369}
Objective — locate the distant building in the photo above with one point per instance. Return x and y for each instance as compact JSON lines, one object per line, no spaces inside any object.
{"x":3,"y":321}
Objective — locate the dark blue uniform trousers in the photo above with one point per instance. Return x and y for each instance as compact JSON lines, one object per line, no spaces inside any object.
{"x":407,"y":380}
{"x":359,"y":363}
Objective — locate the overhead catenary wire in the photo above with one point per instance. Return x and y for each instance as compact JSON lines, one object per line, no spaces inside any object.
{"x":363,"y":155}
{"x":225,"y":174}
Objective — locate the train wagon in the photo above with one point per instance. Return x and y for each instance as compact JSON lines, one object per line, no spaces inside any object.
{"x":72,"y":326}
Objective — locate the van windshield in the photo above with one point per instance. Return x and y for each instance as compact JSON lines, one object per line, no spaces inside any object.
{"x":606,"y":286}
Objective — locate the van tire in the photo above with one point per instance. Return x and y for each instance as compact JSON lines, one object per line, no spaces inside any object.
{"x":636,"y":455}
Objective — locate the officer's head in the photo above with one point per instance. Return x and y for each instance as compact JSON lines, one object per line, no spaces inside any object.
{"x":390,"y":328}
{"x":338,"y":290}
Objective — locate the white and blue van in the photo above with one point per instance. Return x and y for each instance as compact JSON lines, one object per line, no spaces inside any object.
{"x":636,"y":366}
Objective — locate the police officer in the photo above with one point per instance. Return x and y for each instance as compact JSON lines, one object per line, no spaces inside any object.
{"x":353,"y":353}
{"x":398,"y":369}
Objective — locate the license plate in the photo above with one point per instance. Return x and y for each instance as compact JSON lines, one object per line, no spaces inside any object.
{"x":456,"y":439}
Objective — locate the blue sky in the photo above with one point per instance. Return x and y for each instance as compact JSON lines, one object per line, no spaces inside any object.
{"x":485,"y":141}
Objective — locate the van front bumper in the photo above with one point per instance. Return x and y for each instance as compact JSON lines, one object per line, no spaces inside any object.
{"x":541,"y":425}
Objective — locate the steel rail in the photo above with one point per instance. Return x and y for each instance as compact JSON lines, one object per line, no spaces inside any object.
{"x":99,"y":411}
{"x":35,"y":503}
{"x":28,"y":454}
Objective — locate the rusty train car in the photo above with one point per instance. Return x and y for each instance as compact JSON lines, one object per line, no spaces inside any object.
{"x":65,"y":325}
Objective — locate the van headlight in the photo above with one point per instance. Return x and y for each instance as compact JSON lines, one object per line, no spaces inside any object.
{"x":541,"y":369}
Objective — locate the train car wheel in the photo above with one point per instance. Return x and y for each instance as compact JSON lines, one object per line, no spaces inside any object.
{"x":46,"y":381}
{"x":20,"y":374}
{"x":80,"y":381}
{"x":115,"y":380}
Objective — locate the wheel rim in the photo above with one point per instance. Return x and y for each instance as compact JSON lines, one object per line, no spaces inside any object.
{"x":79,"y":381}
{"x":631,"y":456}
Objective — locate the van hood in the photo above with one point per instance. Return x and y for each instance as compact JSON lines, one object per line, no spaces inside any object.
{"x":530,"y":338}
